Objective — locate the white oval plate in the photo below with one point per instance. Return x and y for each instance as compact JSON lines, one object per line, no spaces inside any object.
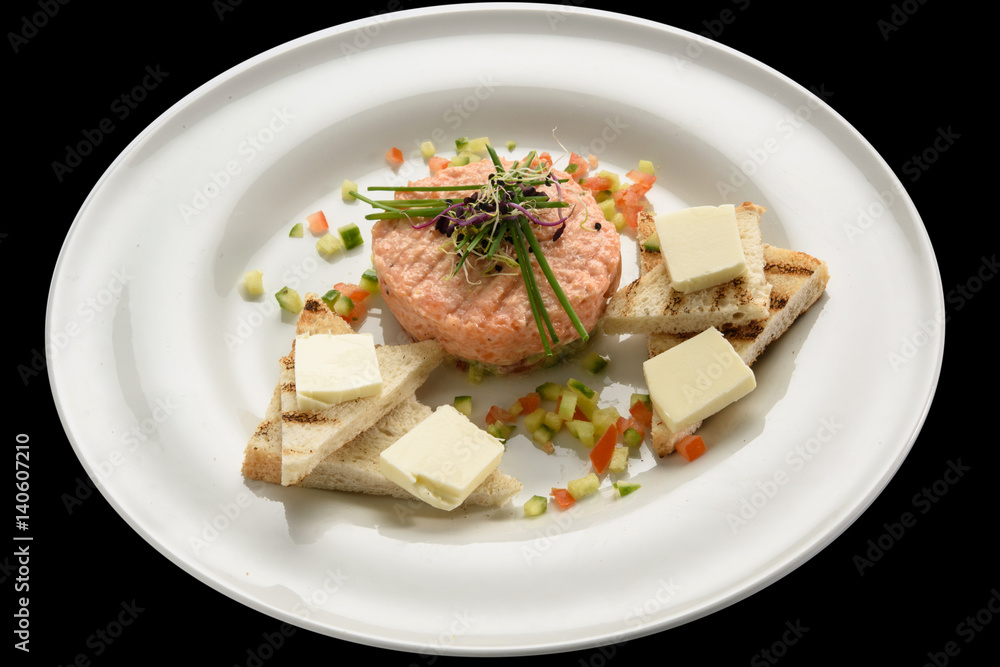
{"x":170,"y":368}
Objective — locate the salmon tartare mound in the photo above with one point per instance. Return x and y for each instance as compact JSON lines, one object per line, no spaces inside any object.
{"x":482,"y":313}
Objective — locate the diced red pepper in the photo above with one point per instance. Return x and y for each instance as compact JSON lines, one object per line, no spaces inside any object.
{"x":641,"y":181}
{"x":437,"y":163}
{"x":642,"y":413}
{"x":582,"y":165}
{"x":317,"y":222}
{"x":498,"y":414}
{"x":563,"y":497}
{"x":530,"y":402}
{"x":597,"y":183}
{"x":394,"y":156}
{"x":600,"y":455}
{"x":690,"y":447}
{"x":621,"y":425}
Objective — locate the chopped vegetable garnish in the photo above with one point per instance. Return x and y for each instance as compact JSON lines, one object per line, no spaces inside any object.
{"x":394,"y":156}
{"x":643,"y":413}
{"x":511,"y":145}
{"x":583,"y":389}
{"x":584,"y":486}
{"x":690,"y":447}
{"x":369,"y":281}
{"x":625,"y":488}
{"x":253,"y":281}
{"x":595,"y":363}
{"x":317,"y":222}
{"x":535,"y":505}
{"x":346,"y":188}
{"x":329,"y":244}
{"x":289,"y":300}
{"x":619,"y":460}
{"x":296,"y":231}
{"x":350,"y":234}
{"x":436,"y":164}
{"x":600,"y":455}
{"x":463,"y":404}
{"x":563,"y":497}
{"x":646,"y":167}
{"x":330,"y":298}
{"x":427,"y":149}
{"x":498,"y":414}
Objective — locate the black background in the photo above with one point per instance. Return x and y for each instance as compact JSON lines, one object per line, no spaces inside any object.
{"x":898,"y":72}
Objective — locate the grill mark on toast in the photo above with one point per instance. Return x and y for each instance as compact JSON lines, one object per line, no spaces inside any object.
{"x":306,"y":418}
{"x":788,"y":269}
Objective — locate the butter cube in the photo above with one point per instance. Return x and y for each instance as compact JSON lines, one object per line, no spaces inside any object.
{"x":331,"y":369}
{"x":701,"y":246}
{"x":696,"y":379}
{"x":442,"y":459}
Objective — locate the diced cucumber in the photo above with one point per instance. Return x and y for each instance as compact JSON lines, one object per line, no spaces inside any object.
{"x":296,"y":231}
{"x":476,"y":374}
{"x":535,"y":419}
{"x":595,"y":363}
{"x":469,"y":155}
{"x":542,"y":434}
{"x":330,"y":298}
{"x":350,"y":235}
{"x":536,"y":505}
{"x":499,"y":430}
{"x":567,"y":405}
{"x":602,"y":196}
{"x":608,"y":208}
{"x":459,"y":161}
{"x":427,"y":149}
{"x":632,"y":437}
{"x":603,"y":419}
{"x":511,"y":145}
{"x":582,"y":431}
{"x":553,"y":421}
{"x":625,"y":488}
{"x":289,"y":300}
{"x":343,"y":306}
{"x":516,"y":408}
{"x":584,"y":486}
{"x":345,"y":189}
{"x":638,"y":397}
{"x":619,"y":220}
{"x":463,"y":404}
{"x":329,"y":244}
{"x":652,"y":243}
{"x":646,"y":167}
{"x":581,"y":388}
{"x":461,"y":144}
{"x":616,"y":182}
{"x":253,"y":281}
{"x":585,"y":405}
{"x":369,"y":281}
{"x":549,"y":391}
{"x":571,"y":168}
{"x":619,"y":460}
{"x":478,"y":145}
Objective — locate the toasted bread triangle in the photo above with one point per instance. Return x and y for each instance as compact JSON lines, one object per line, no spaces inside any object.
{"x":650,"y":304}
{"x":797,"y":280}
{"x":309,"y":437}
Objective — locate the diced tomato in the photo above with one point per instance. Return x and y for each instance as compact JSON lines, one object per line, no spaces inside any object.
{"x":498,"y":414}
{"x":437,"y":163}
{"x":597,"y":183}
{"x":317,"y":222}
{"x":600,"y":455}
{"x":582,"y":166}
{"x":690,"y":447}
{"x":621,"y":425}
{"x":563,"y":497}
{"x":634,"y":423}
{"x":530,"y":402}
{"x":545,"y":159}
{"x":352,"y":292}
{"x":394,"y":156}
{"x":592,"y":159}
{"x":629,"y":201}
{"x":641,"y":181}
{"x":642,"y":413}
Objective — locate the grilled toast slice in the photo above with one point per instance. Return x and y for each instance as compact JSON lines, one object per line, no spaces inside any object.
{"x":797,"y":280}
{"x":651,"y":305}
{"x":355,"y":466}
{"x":309,"y":437}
